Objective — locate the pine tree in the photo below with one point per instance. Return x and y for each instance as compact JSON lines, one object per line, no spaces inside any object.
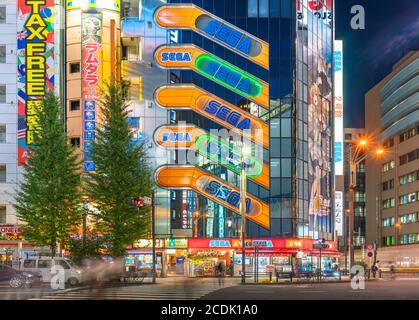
{"x":48,"y":199}
{"x":122,"y":174}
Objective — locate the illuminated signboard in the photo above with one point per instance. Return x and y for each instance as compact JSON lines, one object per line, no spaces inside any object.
{"x":221,"y":152}
{"x":35,"y":74}
{"x":224,"y":193}
{"x":174,"y":136}
{"x":338,"y":73}
{"x":339,"y":212}
{"x":91,"y":77}
{"x":10,"y":232}
{"x":114,"y":5}
{"x":189,"y":16}
{"x":189,"y":96}
{"x":192,"y":57}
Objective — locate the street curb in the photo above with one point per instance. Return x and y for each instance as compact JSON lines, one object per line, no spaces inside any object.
{"x":299,"y":283}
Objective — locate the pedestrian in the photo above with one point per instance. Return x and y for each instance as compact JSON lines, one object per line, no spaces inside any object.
{"x":392,"y":271}
{"x":221,"y":273}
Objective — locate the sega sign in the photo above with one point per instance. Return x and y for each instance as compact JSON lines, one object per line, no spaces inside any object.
{"x":176,"y":56}
{"x":227,"y":35}
{"x":224,"y":193}
{"x":224,"y":113}
{"x":219,"y":243}
{"x":176,"y":137}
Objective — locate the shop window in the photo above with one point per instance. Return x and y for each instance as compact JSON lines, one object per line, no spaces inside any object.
{"x":74,"y":105}
{"x":2,"y":133}
{"x":2,"y":94}
{"x":2,"y":214}
{"x":2,"y":54}
{"x":2,"y":173}
{"x":2,"y":14}
{"x":75,"y":67}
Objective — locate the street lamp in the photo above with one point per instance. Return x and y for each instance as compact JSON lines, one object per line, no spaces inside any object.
{"x":357,"y":153}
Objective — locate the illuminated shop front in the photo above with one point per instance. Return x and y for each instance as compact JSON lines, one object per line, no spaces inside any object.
{"x":268,"y":255}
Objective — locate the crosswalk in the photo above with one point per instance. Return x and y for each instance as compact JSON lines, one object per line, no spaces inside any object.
{"x":136,"y":292}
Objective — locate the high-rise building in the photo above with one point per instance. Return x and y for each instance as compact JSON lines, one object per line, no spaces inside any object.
{"x":200,"y":66}
{"x":8,"y":111}
{"x":392,"y":183}
{"x":352,"y":137}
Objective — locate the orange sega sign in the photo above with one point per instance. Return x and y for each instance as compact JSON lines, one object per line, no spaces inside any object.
{"x":189,"y":16}
{"x":189,"y":96}
{"x":224,"y":193}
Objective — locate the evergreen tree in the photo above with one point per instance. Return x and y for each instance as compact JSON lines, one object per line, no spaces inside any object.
{"x":122,"y":174}
{"x":48,"y":199}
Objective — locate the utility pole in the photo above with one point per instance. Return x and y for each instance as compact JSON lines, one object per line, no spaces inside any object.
{"x":153,"y":231}
{"x":243,"y":214}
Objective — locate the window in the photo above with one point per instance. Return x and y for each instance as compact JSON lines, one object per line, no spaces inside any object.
{"x":388,"y":185}
{"x":252,"y":8}
{"x":2,"y":173}
{"x":408,"y":198}
{"x":2,"y":54}
{"x":62,"y":263}
{"x":2,"y":94}
{"x":348,"y":136}
{"x":2,"y":14}
{"x":388,"y":222}
{"x":409,"y":134}
{"x":74,"y":105}
{"x":2,"y":214}
{"x":389,"y":143}
{"x":389,"y":241}
{"x":360,"y":211}
{"x":389,"y":203}
{"x":44,"y":264}
{"x":75,"y":67}
{"x":75,"y":142}
{"x":388,"y":166}
{"x":2,"y":133}
{"x":409,"y":178}
{"x":359,"y":197}
{"x":29,"y":263}
{"x":408,"y":218}
{"x":409,"y":157}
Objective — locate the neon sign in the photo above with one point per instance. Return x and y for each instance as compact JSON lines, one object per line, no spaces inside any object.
{"x":224,"y":113}
{"x":176,"y":56}
{"x":192,"y":17}
{"x":228,"y":156}
{"x":35,"y":44}
{"x":229,"y":76}
{"x":226,"y":194}
{"x":220,"y":244}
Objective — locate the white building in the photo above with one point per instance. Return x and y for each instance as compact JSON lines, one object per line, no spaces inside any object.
{"x":8,"y":111}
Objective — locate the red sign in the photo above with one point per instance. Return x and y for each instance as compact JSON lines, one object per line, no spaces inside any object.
{"x":263,"y":243}
{"x":10,"y":232}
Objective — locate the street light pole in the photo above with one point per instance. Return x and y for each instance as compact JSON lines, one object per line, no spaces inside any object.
{"x":153,"y":230}
{"x":243,"y":215}
{"x":85,"y":211}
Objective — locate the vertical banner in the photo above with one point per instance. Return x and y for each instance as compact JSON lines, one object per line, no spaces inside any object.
{"x":339,"y":212}
{"x":35,"y":66}
{"x":91,"y":71}
{"x":338,"y":70}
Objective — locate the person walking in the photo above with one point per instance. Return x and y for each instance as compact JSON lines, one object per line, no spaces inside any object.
{"x":221,"y":273}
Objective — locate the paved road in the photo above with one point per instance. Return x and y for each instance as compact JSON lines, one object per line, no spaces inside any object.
{"x":7,"y":293}
{"x":402,"y":289}
{"x":166,"y":289}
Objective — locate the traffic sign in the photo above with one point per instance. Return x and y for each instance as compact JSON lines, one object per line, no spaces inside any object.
{"x":370,"y":254}
{"x":370,"y":247}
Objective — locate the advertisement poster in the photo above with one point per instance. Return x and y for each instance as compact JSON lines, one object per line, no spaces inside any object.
{"x":91,"y":79}
{"x":35,"y":66}
{"x":318,"y":42}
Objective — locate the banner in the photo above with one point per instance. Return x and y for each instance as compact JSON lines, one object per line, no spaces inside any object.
{"x":338,"y":73}
{"x":91,"y":79}
{"x":35,"y":66}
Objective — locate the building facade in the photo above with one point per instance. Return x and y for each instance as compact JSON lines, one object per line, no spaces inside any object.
{"x":236,"y":65}
{"x":392,"y":219}
{"x":352,"y":137}
{"x":8,"y":111}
